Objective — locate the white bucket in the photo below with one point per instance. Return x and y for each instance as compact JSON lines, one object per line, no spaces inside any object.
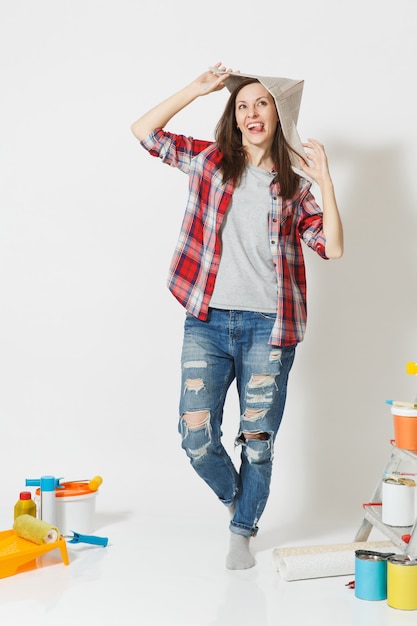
{"x":76,"y":513}
{"x":75,"y":508}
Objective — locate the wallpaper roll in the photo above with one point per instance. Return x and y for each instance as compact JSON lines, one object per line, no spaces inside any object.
{"x":35,"y":530}
{"x":323,"y":561}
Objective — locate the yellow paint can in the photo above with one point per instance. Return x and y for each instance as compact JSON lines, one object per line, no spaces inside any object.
{"x":402,"y":582}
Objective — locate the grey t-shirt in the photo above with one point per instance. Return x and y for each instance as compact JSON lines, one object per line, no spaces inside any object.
{"x":246,"y":278}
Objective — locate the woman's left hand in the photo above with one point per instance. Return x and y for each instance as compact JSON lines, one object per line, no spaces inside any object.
{"x":317,"y":167}
{"x":318,"y":170}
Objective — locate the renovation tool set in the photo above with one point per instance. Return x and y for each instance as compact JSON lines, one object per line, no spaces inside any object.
{"x":383,"y":570}
{"x":46,"y":522}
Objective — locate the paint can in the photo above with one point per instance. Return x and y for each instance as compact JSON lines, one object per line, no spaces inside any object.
{"x":75,"y":508}
{"x":405,"y":427}
{"x":371,"y":575}
{"x":398,"y":501}
{"x":402,"y":583}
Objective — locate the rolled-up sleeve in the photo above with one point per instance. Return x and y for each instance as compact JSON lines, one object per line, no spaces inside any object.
{"x":174,"y":150}
{"x":310,"y":225}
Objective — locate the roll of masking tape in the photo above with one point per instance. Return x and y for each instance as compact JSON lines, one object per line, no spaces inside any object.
{"x":35,"y":530}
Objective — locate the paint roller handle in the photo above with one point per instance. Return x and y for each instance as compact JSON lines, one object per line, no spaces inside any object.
{"x":92,"y":539}
{"x":46,"y":483}
{"x":95,"y":483}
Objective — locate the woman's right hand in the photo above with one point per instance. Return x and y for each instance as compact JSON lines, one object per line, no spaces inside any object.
{"x":211,"y":81}
{"x":159,"y":115}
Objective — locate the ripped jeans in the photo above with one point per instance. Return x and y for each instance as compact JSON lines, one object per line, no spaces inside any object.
{"x":233,"y":345}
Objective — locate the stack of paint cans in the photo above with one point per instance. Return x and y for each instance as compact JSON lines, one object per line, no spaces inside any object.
{"x":386,"y":576}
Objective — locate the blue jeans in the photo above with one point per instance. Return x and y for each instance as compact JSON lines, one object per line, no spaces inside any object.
{"x":233,"y":345}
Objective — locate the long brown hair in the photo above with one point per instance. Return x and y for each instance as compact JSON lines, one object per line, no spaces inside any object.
{"x":234,"y":157}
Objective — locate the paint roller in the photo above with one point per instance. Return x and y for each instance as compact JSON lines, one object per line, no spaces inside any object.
{"x":35,"y":530}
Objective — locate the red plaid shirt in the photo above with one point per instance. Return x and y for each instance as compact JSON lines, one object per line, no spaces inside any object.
{"x":196,"y":258}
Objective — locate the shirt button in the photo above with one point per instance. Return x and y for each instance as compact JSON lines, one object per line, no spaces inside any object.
{"x":273,"y":242}
{"x":274,"y":219}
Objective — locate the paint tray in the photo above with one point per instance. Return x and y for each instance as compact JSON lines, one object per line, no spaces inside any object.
{"x":19,"y":555}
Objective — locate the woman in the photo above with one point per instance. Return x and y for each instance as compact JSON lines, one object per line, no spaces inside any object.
{"x":238,"y":270}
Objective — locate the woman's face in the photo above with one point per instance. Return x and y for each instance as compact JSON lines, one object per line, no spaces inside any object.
{"x":256,"y":115}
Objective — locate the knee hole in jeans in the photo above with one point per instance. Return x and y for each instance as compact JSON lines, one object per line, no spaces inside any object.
{"x":196,"y":419}
{"x":261,"y":380}
{"x":255,"y":434}
{"x":194,"y":384}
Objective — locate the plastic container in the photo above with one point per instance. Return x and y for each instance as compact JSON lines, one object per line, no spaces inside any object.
{"x":405,"y":427}
{"x":46,"y":501}
{"x":75,"y":508}
{"x":48,"y":506}
{"x":20,"y":555}
{"x":402,"y":583}
{"x":25,"y":505}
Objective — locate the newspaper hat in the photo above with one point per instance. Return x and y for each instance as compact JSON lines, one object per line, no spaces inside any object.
{"x":287,"y":95}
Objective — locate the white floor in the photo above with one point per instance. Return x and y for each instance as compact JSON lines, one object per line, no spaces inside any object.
{"x":170,"y":572}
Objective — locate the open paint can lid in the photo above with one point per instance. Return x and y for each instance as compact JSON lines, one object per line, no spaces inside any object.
{"x":399,"y":559}
{"x":72,"y":489}
{"x":369,"y":555}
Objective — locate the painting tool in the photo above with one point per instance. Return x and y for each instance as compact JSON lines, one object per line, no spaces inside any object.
{"x":92,"y":539}
{"x":402,"y":403}
{"x":35,"y":530}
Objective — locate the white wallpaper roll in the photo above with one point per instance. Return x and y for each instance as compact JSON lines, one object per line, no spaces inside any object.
{"x":323,"y":561}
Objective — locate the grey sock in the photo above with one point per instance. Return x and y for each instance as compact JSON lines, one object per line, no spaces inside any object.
{"x":239,"y":556}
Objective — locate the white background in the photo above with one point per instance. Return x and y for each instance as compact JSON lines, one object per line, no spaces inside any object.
{"x":89,"y":334}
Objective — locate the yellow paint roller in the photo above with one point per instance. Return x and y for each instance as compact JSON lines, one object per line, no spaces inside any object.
{"x":35,"y":530}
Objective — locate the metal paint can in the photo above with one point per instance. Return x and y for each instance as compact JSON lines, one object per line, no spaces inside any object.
{"x":398,"y":501}
{"x":402,"y":583}
{"x":371,"y":575}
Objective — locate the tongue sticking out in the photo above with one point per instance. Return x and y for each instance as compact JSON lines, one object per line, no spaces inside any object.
{"x":255,"y":127}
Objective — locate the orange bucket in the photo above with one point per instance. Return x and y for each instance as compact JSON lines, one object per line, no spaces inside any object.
{"x":405,"y":427}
